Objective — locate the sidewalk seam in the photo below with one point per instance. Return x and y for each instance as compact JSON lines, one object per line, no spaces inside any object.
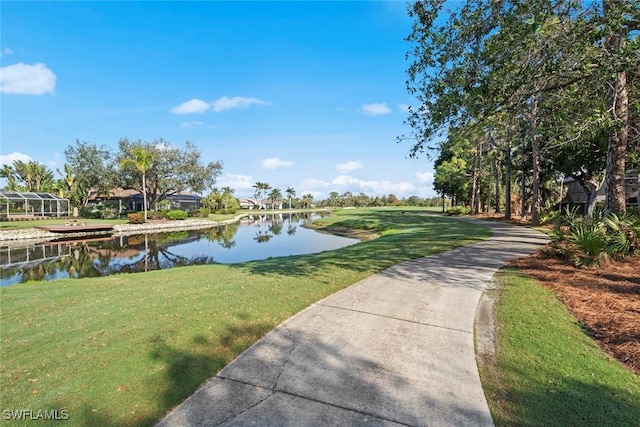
{"x":394,"y":318}
{"x":274,"y":391}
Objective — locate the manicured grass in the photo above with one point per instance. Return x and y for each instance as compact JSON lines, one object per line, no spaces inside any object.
{"x":123,"y":350}
{"x":548,"y":372}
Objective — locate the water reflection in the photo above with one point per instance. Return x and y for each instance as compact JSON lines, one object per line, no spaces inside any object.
{"x":255,"y":237}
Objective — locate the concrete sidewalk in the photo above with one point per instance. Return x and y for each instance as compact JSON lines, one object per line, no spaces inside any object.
{"x":394,"y":349}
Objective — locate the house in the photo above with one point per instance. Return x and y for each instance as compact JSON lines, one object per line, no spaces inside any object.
{"x":247,"y":203}
{"x":575,"y":195}
{"x":133,"y":200}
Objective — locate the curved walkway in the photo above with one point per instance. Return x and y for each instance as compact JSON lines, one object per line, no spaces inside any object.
{"x":394,"y":349}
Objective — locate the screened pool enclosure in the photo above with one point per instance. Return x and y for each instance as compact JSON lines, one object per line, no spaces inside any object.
{"x":18,"y":205}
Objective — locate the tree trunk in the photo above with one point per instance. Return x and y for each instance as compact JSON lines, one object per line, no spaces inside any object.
{"x":475,"y":185}
{"x":535,"y":162}
{"x":496,"y":170}
{"x":615,"y":201}
{"x":144,"y":195}
{"x":507,"y":179}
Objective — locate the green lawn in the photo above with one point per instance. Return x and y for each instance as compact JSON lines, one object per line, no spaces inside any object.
{"x":548,"y":371}
{"x":123,"y":350}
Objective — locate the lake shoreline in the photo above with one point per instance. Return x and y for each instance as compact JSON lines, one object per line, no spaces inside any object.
{"x":30,"y":235}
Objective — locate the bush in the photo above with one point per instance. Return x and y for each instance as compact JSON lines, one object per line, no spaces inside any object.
{"x":136,"y":218}
{"x":200,"y":213}
{"x":591,"y":244}
{"x":589,"y":241}
{"x":157,"y":214}
{"x":177,"y":215}
{"x":623,"y":235}
{"x":88,"y":213}
{"x":458,"y":210}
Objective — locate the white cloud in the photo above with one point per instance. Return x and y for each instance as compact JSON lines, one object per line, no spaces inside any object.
{"x":374,"y":187}
{"x":6,"y":51}
{"x":375,"y":109}
{"x":190,"y":107}
{"x":25,"y":79}
{"x":425,"y":177}
{"x":313,"y":183}
{"x":349,"y":166}
{"x":404,"y":107}
{"x":226,"y":103}
{"x":345,"y":180}
{"x":7,"y":159}
{"x":190,"y":124}
{"x":275,"y":163}
{"x":235,"y":181}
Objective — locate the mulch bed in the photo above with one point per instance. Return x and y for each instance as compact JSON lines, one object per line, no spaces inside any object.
{"x":605,"y":300}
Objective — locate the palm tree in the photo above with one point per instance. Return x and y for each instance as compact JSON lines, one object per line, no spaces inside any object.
{"x":275,"y":195}
{"x":7,"y":172}
{"x":141,"y":160}
{"x":291,"y":193}
{"x":261,"y":190}
{"x":24,"y":172}
{"x":307,"y":200}
{"x":226,"y":198}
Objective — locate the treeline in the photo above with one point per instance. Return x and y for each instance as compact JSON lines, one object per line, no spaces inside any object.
{"x":514,"y":97}
{"x":349,"y":199}
{"x":156,"y":169}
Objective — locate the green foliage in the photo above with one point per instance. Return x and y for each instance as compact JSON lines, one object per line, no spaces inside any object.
{"x":591,"y":241}
{"x":624,"y":234}
{"x":177,"y":214}
{"x":550,"y":217}
{"x":229,"y":211}
{"x":173,"y":170}
{"x":89,"y":212}
{"x":161,"y":214}
{"x":200,"y":213}
{"x":136,"y":218}
{"x":588,"y":241}
{"x":458,"y":210}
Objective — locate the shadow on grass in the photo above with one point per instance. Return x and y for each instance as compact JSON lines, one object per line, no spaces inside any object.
{"x":295,"y":376}
{"x":410,"y":235}
{"x":186,"y":370}
{"x":551,"y":399}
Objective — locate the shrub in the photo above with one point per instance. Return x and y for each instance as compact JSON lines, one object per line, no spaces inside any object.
{"x":590,"y":241}
{"x":458,"y":210}
{"x":177,"y":215}
{"x":157,"y":214}
{"x":200,"y":213}
{"x":623,"y":235}
{"x":136,"y":218}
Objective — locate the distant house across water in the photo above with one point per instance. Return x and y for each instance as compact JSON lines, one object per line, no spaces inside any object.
{"x":132,"y":200}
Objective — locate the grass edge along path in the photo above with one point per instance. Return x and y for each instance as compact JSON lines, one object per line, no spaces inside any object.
{"x":547,"y":370}
{"x":124,"y":349}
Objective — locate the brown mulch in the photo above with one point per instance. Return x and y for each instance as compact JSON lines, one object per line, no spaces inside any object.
{"x":604,"y":299}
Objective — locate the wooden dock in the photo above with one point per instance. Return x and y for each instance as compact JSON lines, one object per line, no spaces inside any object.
{"x":80,"y":228}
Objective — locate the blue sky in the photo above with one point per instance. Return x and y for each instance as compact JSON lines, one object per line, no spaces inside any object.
{"x":309,"y":95}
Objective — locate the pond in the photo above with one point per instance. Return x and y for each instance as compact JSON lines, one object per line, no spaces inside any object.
{"x":254,"y":238}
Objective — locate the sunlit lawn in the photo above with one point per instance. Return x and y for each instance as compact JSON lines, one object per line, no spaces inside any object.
{"x":548,"y":371}
{"x":123,"y":350}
